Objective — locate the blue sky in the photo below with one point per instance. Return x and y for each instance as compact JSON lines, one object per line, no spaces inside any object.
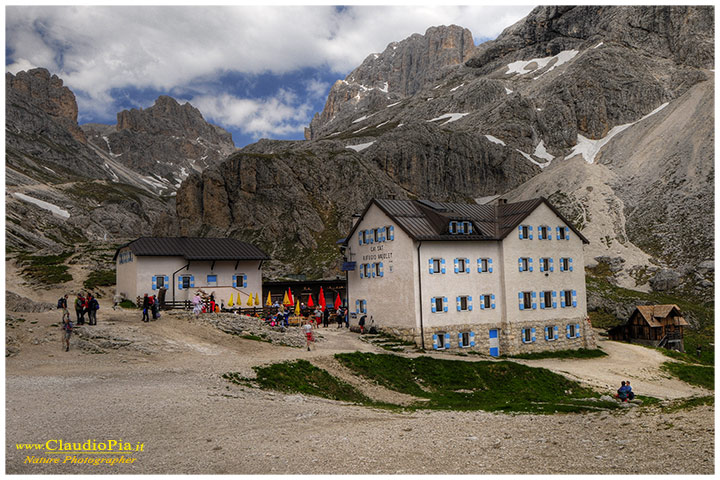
{"x":258,"y":72}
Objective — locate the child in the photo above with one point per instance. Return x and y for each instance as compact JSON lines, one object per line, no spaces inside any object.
{"x":67,"y":327}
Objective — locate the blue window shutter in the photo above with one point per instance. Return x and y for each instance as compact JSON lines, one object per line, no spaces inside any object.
{"x":447,"y":340}
{"x":435,"y":342}
{"x":520,"y":300}
{"x":382,"y":271}
{"x":180,"y":283}
{"x":520,"y":264}
{"x":520,"y":235}
{"x":532,"y":332}
{"x":391,"y":233}
{"x":458,"y":303}
{"x":567,"y":233}
{"x":542,"y":301}
{"x":442,"y":265}
{"x":373,"y":270}
{"x":557,"y":231}
{"x":556,"y":332}
{"x":552,"y":267}
{"x":469,"y":225}
{"x":482,"y":302}
{"x":567,"y":331}
{"x":542,"y":268}
{"x":445,"y":306}
{"x":456,"y":265}
{"x":192,"y":281}
{"x":467,"y":265}
{"x":577,"y":330}
{"x":167,"y":280}
{"x":382,"y":234}
{"x":472,"y":339}
{"x":470,"y":304}
{"x":534,"y":304}
{"x":460,"y":344}
{"x":154,"y":282}
{"x":530,"y":234}
{"x":479,"y":263}
{"x":364,"y":306}
{"x":359,"y":238}
{"x":362,"y":269}
{"x":574,"y":298}
{"x":234,"y":281}
{"x":371,"y":235}
{"x":547,"y":335}
{"x":430,"y":262}
{"x":357,"y":306}
{"x":433,"y":305}
{"x":562,"y":299}
{"x":492,"y":298}
{"x":244,"y":281}
{"x":554,"y":296}
{"x":571,"y":267}
{"x":522,"y":335}
{"x":490,"y":265}
{"x":530,"y":264}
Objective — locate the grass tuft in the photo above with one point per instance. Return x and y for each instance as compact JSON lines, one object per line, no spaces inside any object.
{"x":702,"y":376}
{"x":579,"y":353}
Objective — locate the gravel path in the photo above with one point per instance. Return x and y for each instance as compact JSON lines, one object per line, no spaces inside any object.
{"x":160,"y":384}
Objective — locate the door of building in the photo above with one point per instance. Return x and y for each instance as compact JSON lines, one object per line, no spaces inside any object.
{"x":494,"y":343}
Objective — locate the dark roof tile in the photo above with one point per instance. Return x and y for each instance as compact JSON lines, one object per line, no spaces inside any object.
{"x":195,"y":248}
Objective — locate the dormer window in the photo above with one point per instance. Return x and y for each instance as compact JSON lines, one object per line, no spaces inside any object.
{"x":457,"y":227}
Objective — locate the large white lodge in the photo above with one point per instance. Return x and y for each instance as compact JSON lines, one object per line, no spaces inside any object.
{"x":499,"y":278}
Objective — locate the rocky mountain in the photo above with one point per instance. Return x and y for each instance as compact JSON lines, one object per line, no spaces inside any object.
{"x":605,"y":110}
{"x":66,"y":185}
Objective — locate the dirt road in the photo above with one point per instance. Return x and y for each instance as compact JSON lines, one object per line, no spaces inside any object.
{"x":160,"y":384}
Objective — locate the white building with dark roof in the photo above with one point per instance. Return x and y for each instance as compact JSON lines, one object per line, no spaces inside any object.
{"x":182,"y":265}
{"x":501,"y":278}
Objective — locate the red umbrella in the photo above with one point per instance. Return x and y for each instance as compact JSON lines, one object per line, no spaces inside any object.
{"x":321,"y":300}
{"x":310,"y":302}
{"x":290,"y":297}
{"x":338,"y":302}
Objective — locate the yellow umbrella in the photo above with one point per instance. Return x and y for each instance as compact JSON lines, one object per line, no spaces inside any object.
{"x":286,"y":300}
{"x":269,"y":300}
{"x":230,"y":302}
{"x":257,"y":299}
{"x":297,"y":308}
{"x":250,"y":300}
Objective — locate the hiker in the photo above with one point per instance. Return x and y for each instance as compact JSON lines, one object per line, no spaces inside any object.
{"x":154,"y":307}
{"x":326,"y":317}
{"x":631,"y":395}
{"x":62,"y":302}
{"x":67,"y":327}
{"x":93,"y":307}
{"x":622,"y":393}
{"x":308,"y":329}
{"x":347,"y":318}
{"x":318,"y":315}
{"x":339,"y":318}
{"x":212,"y":304}
{"x":361,"y":323}
{"x":145,"y":306}
{"x":117,"y":299}
{"x":80,"y":309}
{"x":197,"y":305}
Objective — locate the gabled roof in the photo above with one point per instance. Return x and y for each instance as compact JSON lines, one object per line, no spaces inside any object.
{"x":195,"y":248}
{"x":653,"y":314}
{"x":426,"y":220}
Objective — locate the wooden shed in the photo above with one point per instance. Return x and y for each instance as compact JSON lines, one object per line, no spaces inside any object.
{"x":654,"y":325}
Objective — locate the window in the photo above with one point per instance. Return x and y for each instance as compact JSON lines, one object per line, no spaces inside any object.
{"x":561,"y":233}
{"x":361,"y":306}
{"x":437,"y":265}
{"x":547,"y":299}
{"x":525,"y":264}
{"x":465,"y":339}
{"x":160,"y":281}
{"x":464,"y":303}
{"x":566,"y":265}
{"x":376,"y":235}
{"x":483,"y":265}
{"x":525,"y":232}
{"x":365,"y":237}
{"x":389,"y":233}
{"x":487,"y":300}
{"x":212,"y":280}
{"x":527,"y":299}
{"x":185,"y":281}
{"x":544,"y":232}
{"x":453,"y":229}
{"x":527,"y":335}
{"x":545,"y":265}
{"x":550,"y":333}
{"x":462,"y":265}
{"x":571,"y":331}
{"x":438,"y":304}
{"x":439,"y":341}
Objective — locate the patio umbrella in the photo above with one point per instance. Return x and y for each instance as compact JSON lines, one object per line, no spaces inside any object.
{"x":269,"y":300}
{"x":286,"y":300}
{"x":310,"y":302}
{"x":297,"y":308}
{"x":321,"y":300}
{"x":290,"y":297}
{"x":257,"y":299}
{"x":338,"y":302}
{"x":250,"y":301}
{"x":230,"y":302}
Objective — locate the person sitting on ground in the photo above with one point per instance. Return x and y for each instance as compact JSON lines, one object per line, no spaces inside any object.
{"x":631,"y":395}
{"x":622,"y":393}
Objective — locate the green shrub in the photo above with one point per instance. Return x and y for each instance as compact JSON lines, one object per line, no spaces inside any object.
{"x":100,"y":278}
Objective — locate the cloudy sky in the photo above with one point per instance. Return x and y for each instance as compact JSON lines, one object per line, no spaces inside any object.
{"x":256,"y":71}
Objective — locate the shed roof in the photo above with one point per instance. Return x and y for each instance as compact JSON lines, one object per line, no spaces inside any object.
{"x":195,"y":248}
{"x":653,"y":314}
{"x":428,"y":220}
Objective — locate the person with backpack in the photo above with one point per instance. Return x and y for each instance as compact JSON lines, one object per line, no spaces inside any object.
{"x":93,"y":307}
{"x":62,"y":302}
{"x":145,"y":306}
{"x":67,"y":327}
{"x":154,"y":307}
{"x":80,"y":309}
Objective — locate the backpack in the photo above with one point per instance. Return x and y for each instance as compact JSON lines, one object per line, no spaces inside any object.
{"x":60,"y":302}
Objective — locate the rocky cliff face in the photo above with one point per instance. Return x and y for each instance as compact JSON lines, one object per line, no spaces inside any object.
{"x":65,"y":188}
{"x":562,"y":104}
{"x":166,"y":141}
